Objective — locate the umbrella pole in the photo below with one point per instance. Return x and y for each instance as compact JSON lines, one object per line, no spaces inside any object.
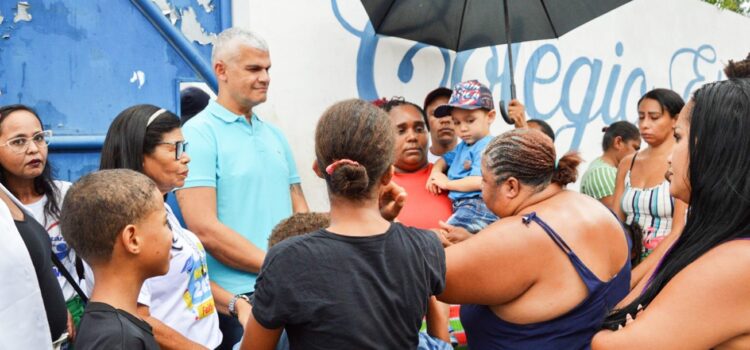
{"x":509,"y":42}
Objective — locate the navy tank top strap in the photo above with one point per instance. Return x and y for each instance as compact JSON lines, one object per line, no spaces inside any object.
{"x":549,"y":231}
{"x":588,"y":277}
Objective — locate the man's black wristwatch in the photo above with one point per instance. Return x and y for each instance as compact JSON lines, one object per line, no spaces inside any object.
{"x":233,"y":303}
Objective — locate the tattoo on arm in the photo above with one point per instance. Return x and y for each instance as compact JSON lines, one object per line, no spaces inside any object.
{"x":299,"y":204}
{"x":296,"y":189}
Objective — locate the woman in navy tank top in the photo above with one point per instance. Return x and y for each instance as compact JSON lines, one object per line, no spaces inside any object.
{"x":697,"y":298}
{"x":544,"y":276}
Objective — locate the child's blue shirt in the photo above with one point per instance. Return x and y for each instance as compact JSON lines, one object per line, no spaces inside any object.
{"x":466,"y":160}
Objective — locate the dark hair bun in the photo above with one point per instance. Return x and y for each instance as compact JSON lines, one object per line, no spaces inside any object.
{"x":738,"y":70}
{"x":350,"y":180}
{"x":567,"y":169}
{"x":354,"y":141}
{"x":604,"y":129}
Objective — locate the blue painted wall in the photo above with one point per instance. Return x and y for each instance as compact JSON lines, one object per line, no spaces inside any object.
{"x":73,"y":63}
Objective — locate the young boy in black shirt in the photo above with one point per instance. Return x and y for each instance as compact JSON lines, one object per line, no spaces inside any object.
{"x":116,"y":221}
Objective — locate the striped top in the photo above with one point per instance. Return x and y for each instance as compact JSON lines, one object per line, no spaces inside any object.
{"x":599,"y":179}
{"x":651,"y":208}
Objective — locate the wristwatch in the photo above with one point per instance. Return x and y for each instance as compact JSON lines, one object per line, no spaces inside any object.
{"x":233,"y":304}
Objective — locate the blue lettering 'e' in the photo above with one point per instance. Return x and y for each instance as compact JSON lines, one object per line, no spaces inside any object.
{"x":580,"y":119}
{"x":531,"y":77}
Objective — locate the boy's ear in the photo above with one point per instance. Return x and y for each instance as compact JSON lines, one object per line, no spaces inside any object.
{"x":130,"y":239}
{"x":491,"y":116}
{"x":316,"y":169}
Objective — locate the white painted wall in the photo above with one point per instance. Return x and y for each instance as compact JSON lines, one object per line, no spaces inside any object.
{"x":315,"y":64}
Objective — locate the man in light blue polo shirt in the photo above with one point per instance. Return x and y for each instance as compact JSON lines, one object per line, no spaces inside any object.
{"x":242,"y":179}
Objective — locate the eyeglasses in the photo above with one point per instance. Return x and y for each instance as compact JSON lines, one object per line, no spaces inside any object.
{"x":179,"y":148}
{"x":21,"y":144}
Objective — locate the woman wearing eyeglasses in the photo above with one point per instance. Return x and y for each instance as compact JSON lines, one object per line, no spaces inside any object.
{"x":24,"y":171}
{"x":180,"y":306}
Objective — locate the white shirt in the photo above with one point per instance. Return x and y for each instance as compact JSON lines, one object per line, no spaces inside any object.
{"x":432,"y":157}
{"x":21,"y":306}
{"x":59,"y":246}
{"x":182,"y":298}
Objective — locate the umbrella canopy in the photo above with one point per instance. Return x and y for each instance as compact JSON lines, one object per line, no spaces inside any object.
{"x":461,"y":25}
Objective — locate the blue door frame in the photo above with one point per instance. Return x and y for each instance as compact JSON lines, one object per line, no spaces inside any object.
{"x":79,"y":63}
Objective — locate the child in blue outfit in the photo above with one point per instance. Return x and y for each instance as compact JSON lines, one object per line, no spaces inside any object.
{"x":472,"y":109}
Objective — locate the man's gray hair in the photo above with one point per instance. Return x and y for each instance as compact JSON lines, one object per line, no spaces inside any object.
{"x":228,"y":41}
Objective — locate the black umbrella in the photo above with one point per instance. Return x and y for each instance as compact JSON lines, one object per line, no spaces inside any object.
{"x":460,"y":25}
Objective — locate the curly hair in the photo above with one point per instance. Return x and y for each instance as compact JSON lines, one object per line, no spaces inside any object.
{"x":297,"y":225}
{"x":739,"y":69}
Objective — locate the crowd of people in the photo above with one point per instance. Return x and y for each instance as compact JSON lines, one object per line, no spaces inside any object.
{"x":439,"y":236}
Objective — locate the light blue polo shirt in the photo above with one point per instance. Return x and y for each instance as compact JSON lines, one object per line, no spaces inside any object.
{"x":252,"y":167}
{"x":466,"y":160}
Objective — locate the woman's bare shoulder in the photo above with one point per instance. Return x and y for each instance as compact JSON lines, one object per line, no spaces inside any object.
{"x":733,"y":255}
{"x":723,"y":270}
{"x":626,"y":161}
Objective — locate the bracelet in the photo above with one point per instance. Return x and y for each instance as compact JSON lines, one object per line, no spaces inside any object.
{"x":233,"y":304}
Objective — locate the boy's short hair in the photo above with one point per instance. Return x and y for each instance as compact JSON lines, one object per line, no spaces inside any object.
{"x":99,"y":205}
{"x":297,"y":225}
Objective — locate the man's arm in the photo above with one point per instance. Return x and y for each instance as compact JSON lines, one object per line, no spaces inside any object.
{"x":198,"y":205}
{"x":221,"y":300}
{"x":299,"y":204}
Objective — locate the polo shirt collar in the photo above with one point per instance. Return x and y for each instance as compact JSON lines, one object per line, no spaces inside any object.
{"x":224,"y":114}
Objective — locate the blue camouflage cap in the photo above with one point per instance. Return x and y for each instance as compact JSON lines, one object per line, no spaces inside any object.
{"x":470,"y":95}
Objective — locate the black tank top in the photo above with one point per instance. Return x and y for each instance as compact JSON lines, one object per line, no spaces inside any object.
{"x":37,"y":243}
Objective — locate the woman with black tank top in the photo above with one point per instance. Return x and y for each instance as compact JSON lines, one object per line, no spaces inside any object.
{"x":545,"y":275}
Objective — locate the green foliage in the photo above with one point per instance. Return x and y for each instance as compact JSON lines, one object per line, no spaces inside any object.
{"x":739,"y":6}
